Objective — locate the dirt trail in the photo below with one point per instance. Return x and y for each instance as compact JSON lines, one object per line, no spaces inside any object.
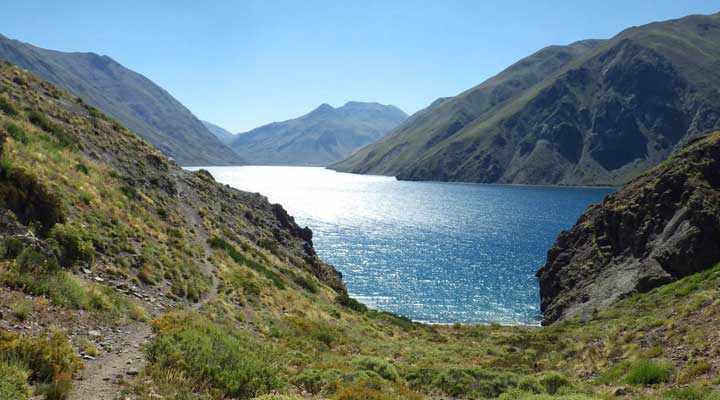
{"x":102,"y":377}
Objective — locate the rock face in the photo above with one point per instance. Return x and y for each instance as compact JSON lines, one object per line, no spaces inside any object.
{"x":323,"y":136}
{"x":591,"y":113}
{"x":662,"y":226}
{"x":135,"y":101}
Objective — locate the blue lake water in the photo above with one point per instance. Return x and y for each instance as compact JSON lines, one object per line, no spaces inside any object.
{"x":434,"y":252}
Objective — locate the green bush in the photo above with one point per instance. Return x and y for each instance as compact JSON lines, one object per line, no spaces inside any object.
{"x":463,"y":382}
{"x":7,"y":106}
{"x":13,"y":382}
{"x":16,"y":132}
{"x":213,"y":356}
{"x":72,"y":245}
{"x":345,"y":300}
{"x":553,"y":381}
{"x":41,"y":121}
{"x":82,"y":168}
{"x":377,"y":365}
{"x":49,"y":357}
{"x":648,"y":372}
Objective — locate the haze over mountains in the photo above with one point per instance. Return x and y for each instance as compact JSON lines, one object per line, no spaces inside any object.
{"x":591,"y":113}
{"x":134,"y":100}
{"x":323,"y":136}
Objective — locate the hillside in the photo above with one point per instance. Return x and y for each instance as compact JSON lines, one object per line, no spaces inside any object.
{"x":592,"y":113}
{"x":320,"y":137}
{"x":122,"y":275}
{"x":660,"y":227}
{"x":219,"y":132}
{"x":132,"y":99}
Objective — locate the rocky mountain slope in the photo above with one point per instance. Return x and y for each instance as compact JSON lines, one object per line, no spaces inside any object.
{"x":320,"y":137}
{"x":660,"y":227}
{"x":132,"y":99}
{"x":219,"y":132}
{"x":592,"y":113}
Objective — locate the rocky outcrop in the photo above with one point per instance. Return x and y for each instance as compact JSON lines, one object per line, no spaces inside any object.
{"x":662,"y":226}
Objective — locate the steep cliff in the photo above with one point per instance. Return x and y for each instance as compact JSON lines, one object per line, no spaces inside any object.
{"x":662,"y":226}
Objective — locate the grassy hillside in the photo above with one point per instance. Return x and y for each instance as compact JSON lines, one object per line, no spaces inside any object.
{"x":132,"y":99}
{"x":597,"y":114}
{"x":121,"y":273}
{"x":323,"y":136}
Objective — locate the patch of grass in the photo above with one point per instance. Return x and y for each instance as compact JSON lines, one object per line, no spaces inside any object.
{"x":21,"y":309}
{"x":648,"y":372}
{"x":87,"y":347}
{"x":214,"y":356}
{"x":138,"y":313}
{"x":693,"y":369}
{"x":230,"y":250}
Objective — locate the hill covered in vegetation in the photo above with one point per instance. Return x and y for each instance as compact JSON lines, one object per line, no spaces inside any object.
{"x":123,"y":275}
{"x":596,"y":112}
{"x":135,"y":101}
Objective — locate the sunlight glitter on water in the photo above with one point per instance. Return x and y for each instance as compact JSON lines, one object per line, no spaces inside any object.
{"x":434,"y":252}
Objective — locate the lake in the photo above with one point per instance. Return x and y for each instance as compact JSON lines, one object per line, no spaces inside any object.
{"x":434,"y":252}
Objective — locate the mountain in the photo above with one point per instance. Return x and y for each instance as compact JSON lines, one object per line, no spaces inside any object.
{"x":591,"y":113}
{"x":320,"y":137}
{"x":123,"y":275}
{"x":219,"y":132}
{"x":135,"y":101}
{"x":661,"y":226}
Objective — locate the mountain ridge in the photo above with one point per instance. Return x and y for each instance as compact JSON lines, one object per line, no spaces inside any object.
{"x":557,"y":125}
{"x":323,"y":135}
{"x":130,"y":97}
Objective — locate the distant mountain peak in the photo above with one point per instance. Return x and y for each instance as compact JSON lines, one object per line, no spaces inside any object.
{"x":320,"y":137}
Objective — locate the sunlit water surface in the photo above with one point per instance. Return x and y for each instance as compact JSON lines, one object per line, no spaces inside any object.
{"x":434,"y":252}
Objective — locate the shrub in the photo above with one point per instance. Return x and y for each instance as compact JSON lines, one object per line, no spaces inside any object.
{"x":315,"y":380}
{"x":7,"y":106}
{"x":10,"y":248}
{"x":13,"y":382}
{"x":48,"y":357}
{"x":129,"y":192}
{"x":72,"y":245}
{"x":213,"y":356}
{"x":648,"y":372}
{"x":345,"y":300}
{"x":82,"y":168}
{"x":463,"y":382}
{"x":16,"y":132}
{"x":59,"y":389}
{"x":553,"y":381}
{"x":305,"y":283}
{"x":377,"y":365}
{"x":27,"y":198}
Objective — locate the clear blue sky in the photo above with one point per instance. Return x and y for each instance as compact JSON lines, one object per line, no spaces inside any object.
{"x":241,"y":64}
